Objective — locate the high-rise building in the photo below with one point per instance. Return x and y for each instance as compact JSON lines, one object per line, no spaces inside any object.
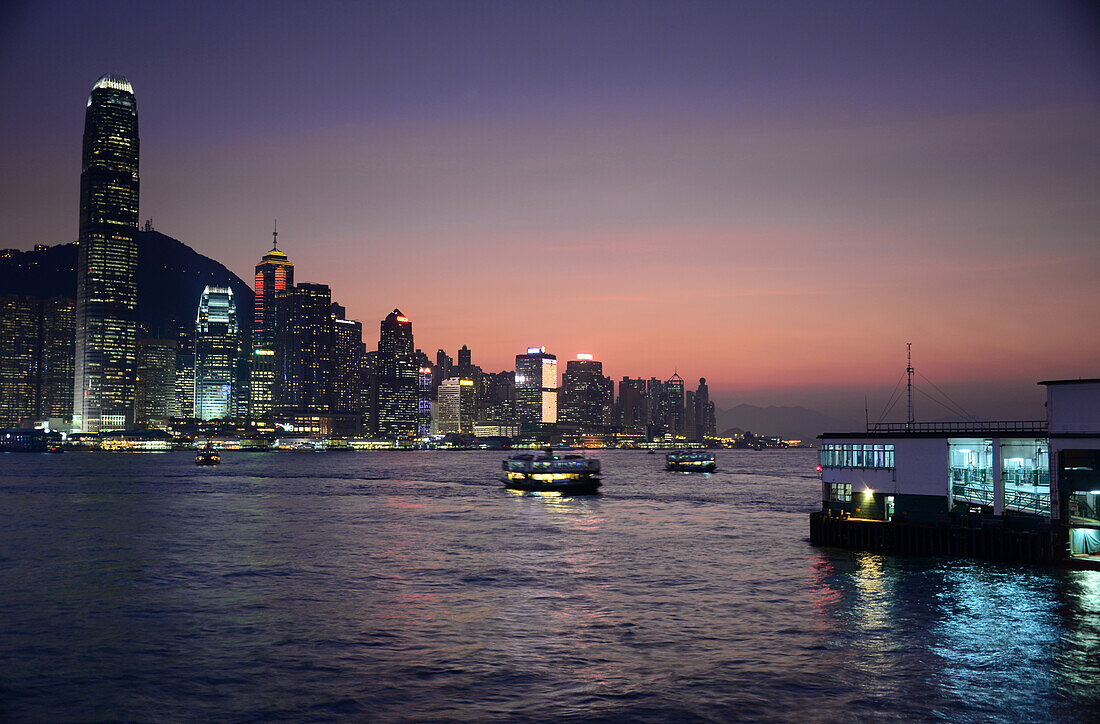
{"x":497,"y":402}
{"x":632,"y":406}
{"x":424,"y":402}
{"x":689,"y":416}
{"x":442,"y":370}
{"x":274,"y":274}
{"x":464,"y":363}
{"x":19,"y":321}
{"x":303,"y":349}
{"x":397,"y":378}
{"x":56,"y":372}
{"x":672,"y":408}
{"x":536,"y":387}
{"x":702,"y":409}
{"x":587,"y":397}
{"x":185,"y":372}
{"x":36,"y":359}
{"x":155,"y":390}
{"x":347,"y":369}
{"x":217,"y":350}
{"x":457,"y":403}
{"x":106,"y":279}
{"x":261,"y":383}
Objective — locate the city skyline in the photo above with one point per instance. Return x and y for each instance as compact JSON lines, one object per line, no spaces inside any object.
{"x":687,"y":205}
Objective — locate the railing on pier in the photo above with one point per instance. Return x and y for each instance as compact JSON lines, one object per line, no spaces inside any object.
{"x":966,"y":427}
{"x":1016,"y":501}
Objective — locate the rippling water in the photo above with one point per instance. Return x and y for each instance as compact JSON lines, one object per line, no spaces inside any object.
{"x":411,"y":586}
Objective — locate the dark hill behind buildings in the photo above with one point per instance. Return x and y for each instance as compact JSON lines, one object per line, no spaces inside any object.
{"x":171,"y":277}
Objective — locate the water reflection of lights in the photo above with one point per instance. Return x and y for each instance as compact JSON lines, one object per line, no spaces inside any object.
{"x":996,"y":625}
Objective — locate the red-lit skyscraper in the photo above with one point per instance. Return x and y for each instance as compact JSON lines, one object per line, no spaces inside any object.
{"x":274,"y":274}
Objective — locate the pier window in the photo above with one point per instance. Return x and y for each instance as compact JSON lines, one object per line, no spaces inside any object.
{"x":851,"y":455}
{"x":840,"y":492}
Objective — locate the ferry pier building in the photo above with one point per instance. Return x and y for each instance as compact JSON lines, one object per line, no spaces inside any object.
{"x":1032,"y":475}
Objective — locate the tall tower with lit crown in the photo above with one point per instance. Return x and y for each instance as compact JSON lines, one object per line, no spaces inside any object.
{"x":106,"y":279}
{"x":274,"y":274}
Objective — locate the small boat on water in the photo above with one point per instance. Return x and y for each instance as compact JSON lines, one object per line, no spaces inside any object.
{"x":552,"y":473}
{"x":691,"y":461}
{"x":208,"y":456}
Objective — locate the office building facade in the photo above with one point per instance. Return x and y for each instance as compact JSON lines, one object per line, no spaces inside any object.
{"x":106,"y":327}
{"x":587,"y":397}
{"x":397,"y":378}
{"x":217,"y":351}
{"x":303,"y":349}
{"x":536,"y":381}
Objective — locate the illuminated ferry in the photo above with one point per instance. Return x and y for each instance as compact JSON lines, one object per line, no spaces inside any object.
{"x":548,"y":472}
{"x":208,"y":455}
{"x":690,"y":461}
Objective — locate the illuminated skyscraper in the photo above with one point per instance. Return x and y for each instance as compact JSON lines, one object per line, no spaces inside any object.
{"x":587,"y":397}
{"x":424,"y":402}
{"x":274,"y":274}
{"x":261,"y":382}
{"x":106,"y":291}
{"x":536,"y":387}
{"x":155,"y":391}
{"x":303,"y":349}
{"x":217,"y":346}
{"x":36,"y":359}
{"x":672,"y":408}
{"x":457,"y":402}
{"x":347,"y":357}
{"x":397,"y":378}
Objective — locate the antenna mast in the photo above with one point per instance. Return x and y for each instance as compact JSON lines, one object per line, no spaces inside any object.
{"x":275,"y":237}
{"x":909,"y":386}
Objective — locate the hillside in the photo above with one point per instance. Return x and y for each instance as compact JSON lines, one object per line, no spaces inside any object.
{"x":171,"y":277}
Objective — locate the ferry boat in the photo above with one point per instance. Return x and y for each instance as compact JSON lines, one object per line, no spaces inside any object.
{"x":549,"y":472}
{"x":690,"y":461}
{"x":208,"y":456}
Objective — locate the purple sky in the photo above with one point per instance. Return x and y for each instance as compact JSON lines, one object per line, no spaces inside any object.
{"x":774,"y":195}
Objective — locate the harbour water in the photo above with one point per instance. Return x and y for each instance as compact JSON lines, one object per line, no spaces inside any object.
{"x":412,"y":586}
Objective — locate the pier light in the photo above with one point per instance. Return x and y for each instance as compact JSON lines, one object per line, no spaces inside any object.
{"x":868,"y":492}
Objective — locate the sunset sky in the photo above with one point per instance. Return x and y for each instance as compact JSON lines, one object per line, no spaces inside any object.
{"x":774,"y":195}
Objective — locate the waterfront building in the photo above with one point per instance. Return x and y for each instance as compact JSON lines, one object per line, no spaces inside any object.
{"x":632,"y":407}
{"x":1020,"y":474}
{"x":36,"y":359}
{"x":155,"y":389}
{"x":217,"y":350}
{"x":261,"y":383}
{"x":19,"y":359}
{"x":497,"y":401}
{"x":424,"y":402}
{"x":397,"y":378}
{"x":587,"y":397}
{"x":347,"y":369}
{"x":57,"y":342}
{"x":670,"y":406}
{"x":536,"y":382}
{"x":185,"y":372}
{"x":701,"y":410}
{"x":106,"y":291}
{"x":274,"y":274}
{"x":303,"y":349}
{"x":457,"y":402}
